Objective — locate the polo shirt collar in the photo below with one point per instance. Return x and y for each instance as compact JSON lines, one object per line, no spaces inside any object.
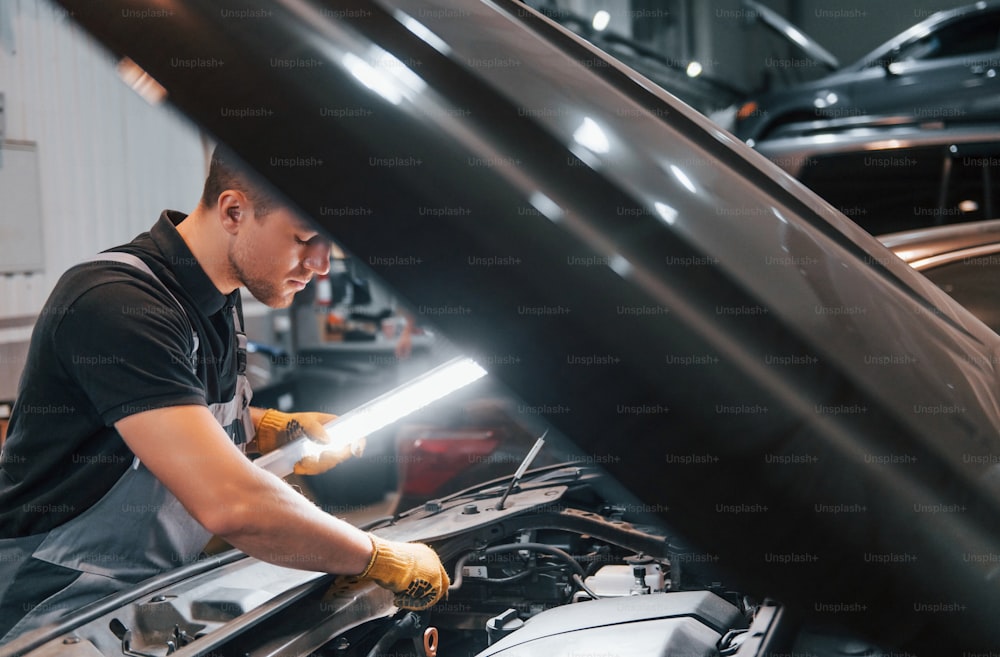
{"x":186,"y":268}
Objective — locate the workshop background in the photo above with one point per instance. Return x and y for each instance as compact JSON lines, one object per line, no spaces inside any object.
{"x":87,"y":163}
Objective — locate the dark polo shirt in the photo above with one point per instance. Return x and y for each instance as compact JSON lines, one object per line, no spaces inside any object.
{"x":109,"y":343}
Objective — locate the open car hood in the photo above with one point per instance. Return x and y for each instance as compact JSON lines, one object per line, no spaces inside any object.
{"x":799,"y":39}
{"x":601,"y":246}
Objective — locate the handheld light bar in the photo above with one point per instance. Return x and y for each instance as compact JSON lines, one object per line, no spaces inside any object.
{"x":380,"y":412}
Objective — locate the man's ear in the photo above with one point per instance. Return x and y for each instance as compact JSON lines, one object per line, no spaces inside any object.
{"x":232,"y":209}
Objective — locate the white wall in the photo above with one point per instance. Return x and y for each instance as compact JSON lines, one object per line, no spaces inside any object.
{"x":108,"y":161}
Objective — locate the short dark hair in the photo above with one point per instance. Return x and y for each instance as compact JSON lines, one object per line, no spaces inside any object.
{"x":226,"y":171}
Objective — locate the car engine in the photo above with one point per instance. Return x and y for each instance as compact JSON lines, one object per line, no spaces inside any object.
{"x":545,"y":568}
{"x":567,"y":594}
{"x":568,"y":575}
{"x":563,"y":573}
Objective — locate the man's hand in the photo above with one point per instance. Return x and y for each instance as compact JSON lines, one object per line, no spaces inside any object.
{"x":412,"y":571}
{"x":276,"y":429}
{"x":318,"y":463}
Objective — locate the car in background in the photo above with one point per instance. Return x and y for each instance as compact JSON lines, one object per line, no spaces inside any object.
{"x":683,"y":77}
{"x":943,"y":70}
{"x":785,"y":438}
{"x":962,"y":259}
{"x":896,"y":178}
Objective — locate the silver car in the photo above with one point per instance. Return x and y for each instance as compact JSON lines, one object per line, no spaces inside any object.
{"x":942,"y":70}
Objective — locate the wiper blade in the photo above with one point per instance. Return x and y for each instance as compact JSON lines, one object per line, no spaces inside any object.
{"x":556,"y":473}
{"x":532,"y":453}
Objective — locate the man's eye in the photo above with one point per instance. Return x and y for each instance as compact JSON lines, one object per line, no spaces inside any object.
{"x":299,"y":240}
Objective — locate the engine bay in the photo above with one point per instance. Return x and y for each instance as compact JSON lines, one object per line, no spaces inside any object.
{"x":571,"y":575}
{"x":561,"y":574}
{"x":551,"y":592}
{"x":545,"y":568}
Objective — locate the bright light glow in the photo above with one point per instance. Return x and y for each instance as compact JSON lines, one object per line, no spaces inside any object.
{"x":402,"y":401}
{"x":828,"y":100}
{"x":373,"y":78}
{"x":968,"y":205}
{"x":683,"y":178}
{"x":880,"y":145}
{"x":590,"y":136}
{"x":601,"y":20}
{"x":549,"y":208}
{"x":378,"y":413}
{"x":620,"y":265}
{"x":798,"y":37}
{"x":694,"y":69}
{"x":419,"y":29}
{"x":667,"y":213}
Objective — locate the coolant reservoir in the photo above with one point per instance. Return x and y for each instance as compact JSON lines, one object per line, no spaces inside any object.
{"x":620,"y":580}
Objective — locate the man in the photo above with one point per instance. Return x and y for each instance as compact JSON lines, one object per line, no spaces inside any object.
{"x":127,"y":442}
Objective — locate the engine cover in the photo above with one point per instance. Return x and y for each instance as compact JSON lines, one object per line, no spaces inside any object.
{"x":678,"y":623}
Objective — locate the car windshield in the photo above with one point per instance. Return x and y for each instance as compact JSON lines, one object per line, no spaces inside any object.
{"x":653,"y":40}
{"x":973,"y":35}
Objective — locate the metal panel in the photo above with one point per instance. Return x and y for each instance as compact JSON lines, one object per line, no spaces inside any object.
{"x":21,"y":224}
{"x":108,"y":162}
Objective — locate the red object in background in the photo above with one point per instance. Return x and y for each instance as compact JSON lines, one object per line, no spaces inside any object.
{"x":5,"y":411}
{"x":478,"y":439}
{"x":324,"y":291}
{"x":429,"y":458}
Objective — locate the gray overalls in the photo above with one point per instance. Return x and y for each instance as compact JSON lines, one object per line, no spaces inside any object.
{"x":137,"y":530}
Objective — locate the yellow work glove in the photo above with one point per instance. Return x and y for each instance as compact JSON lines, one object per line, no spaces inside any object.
{"x":276,"y":429}
{"x":412,"y":571}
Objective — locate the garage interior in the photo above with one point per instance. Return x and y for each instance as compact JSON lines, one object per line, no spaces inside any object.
{"x":87,"y":163}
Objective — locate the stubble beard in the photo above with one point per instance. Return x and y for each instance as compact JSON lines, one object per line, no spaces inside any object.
{"x":263,"y":289}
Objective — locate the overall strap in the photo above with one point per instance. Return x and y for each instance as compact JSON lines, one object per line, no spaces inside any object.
{"x":140,"y":264}
{"x":133,"y":261}
{"x":225,"y":412}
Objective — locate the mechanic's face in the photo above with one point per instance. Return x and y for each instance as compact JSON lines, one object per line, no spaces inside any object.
{"x":275,"y":255}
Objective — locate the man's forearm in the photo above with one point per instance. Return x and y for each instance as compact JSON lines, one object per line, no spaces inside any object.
{"x":257,"y":512}
{"x":250,"y":508}
{"x":286,"y":532}
{"x":279,"y":525}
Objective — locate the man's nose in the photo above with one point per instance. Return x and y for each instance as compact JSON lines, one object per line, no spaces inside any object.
{"x":318,"y":258}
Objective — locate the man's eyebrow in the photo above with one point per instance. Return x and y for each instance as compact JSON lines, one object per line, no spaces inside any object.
{"x":304,"y":225}
{"x":299,"y":225}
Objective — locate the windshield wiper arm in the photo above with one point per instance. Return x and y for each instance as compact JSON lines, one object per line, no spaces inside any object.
{"x":532,"y":453}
